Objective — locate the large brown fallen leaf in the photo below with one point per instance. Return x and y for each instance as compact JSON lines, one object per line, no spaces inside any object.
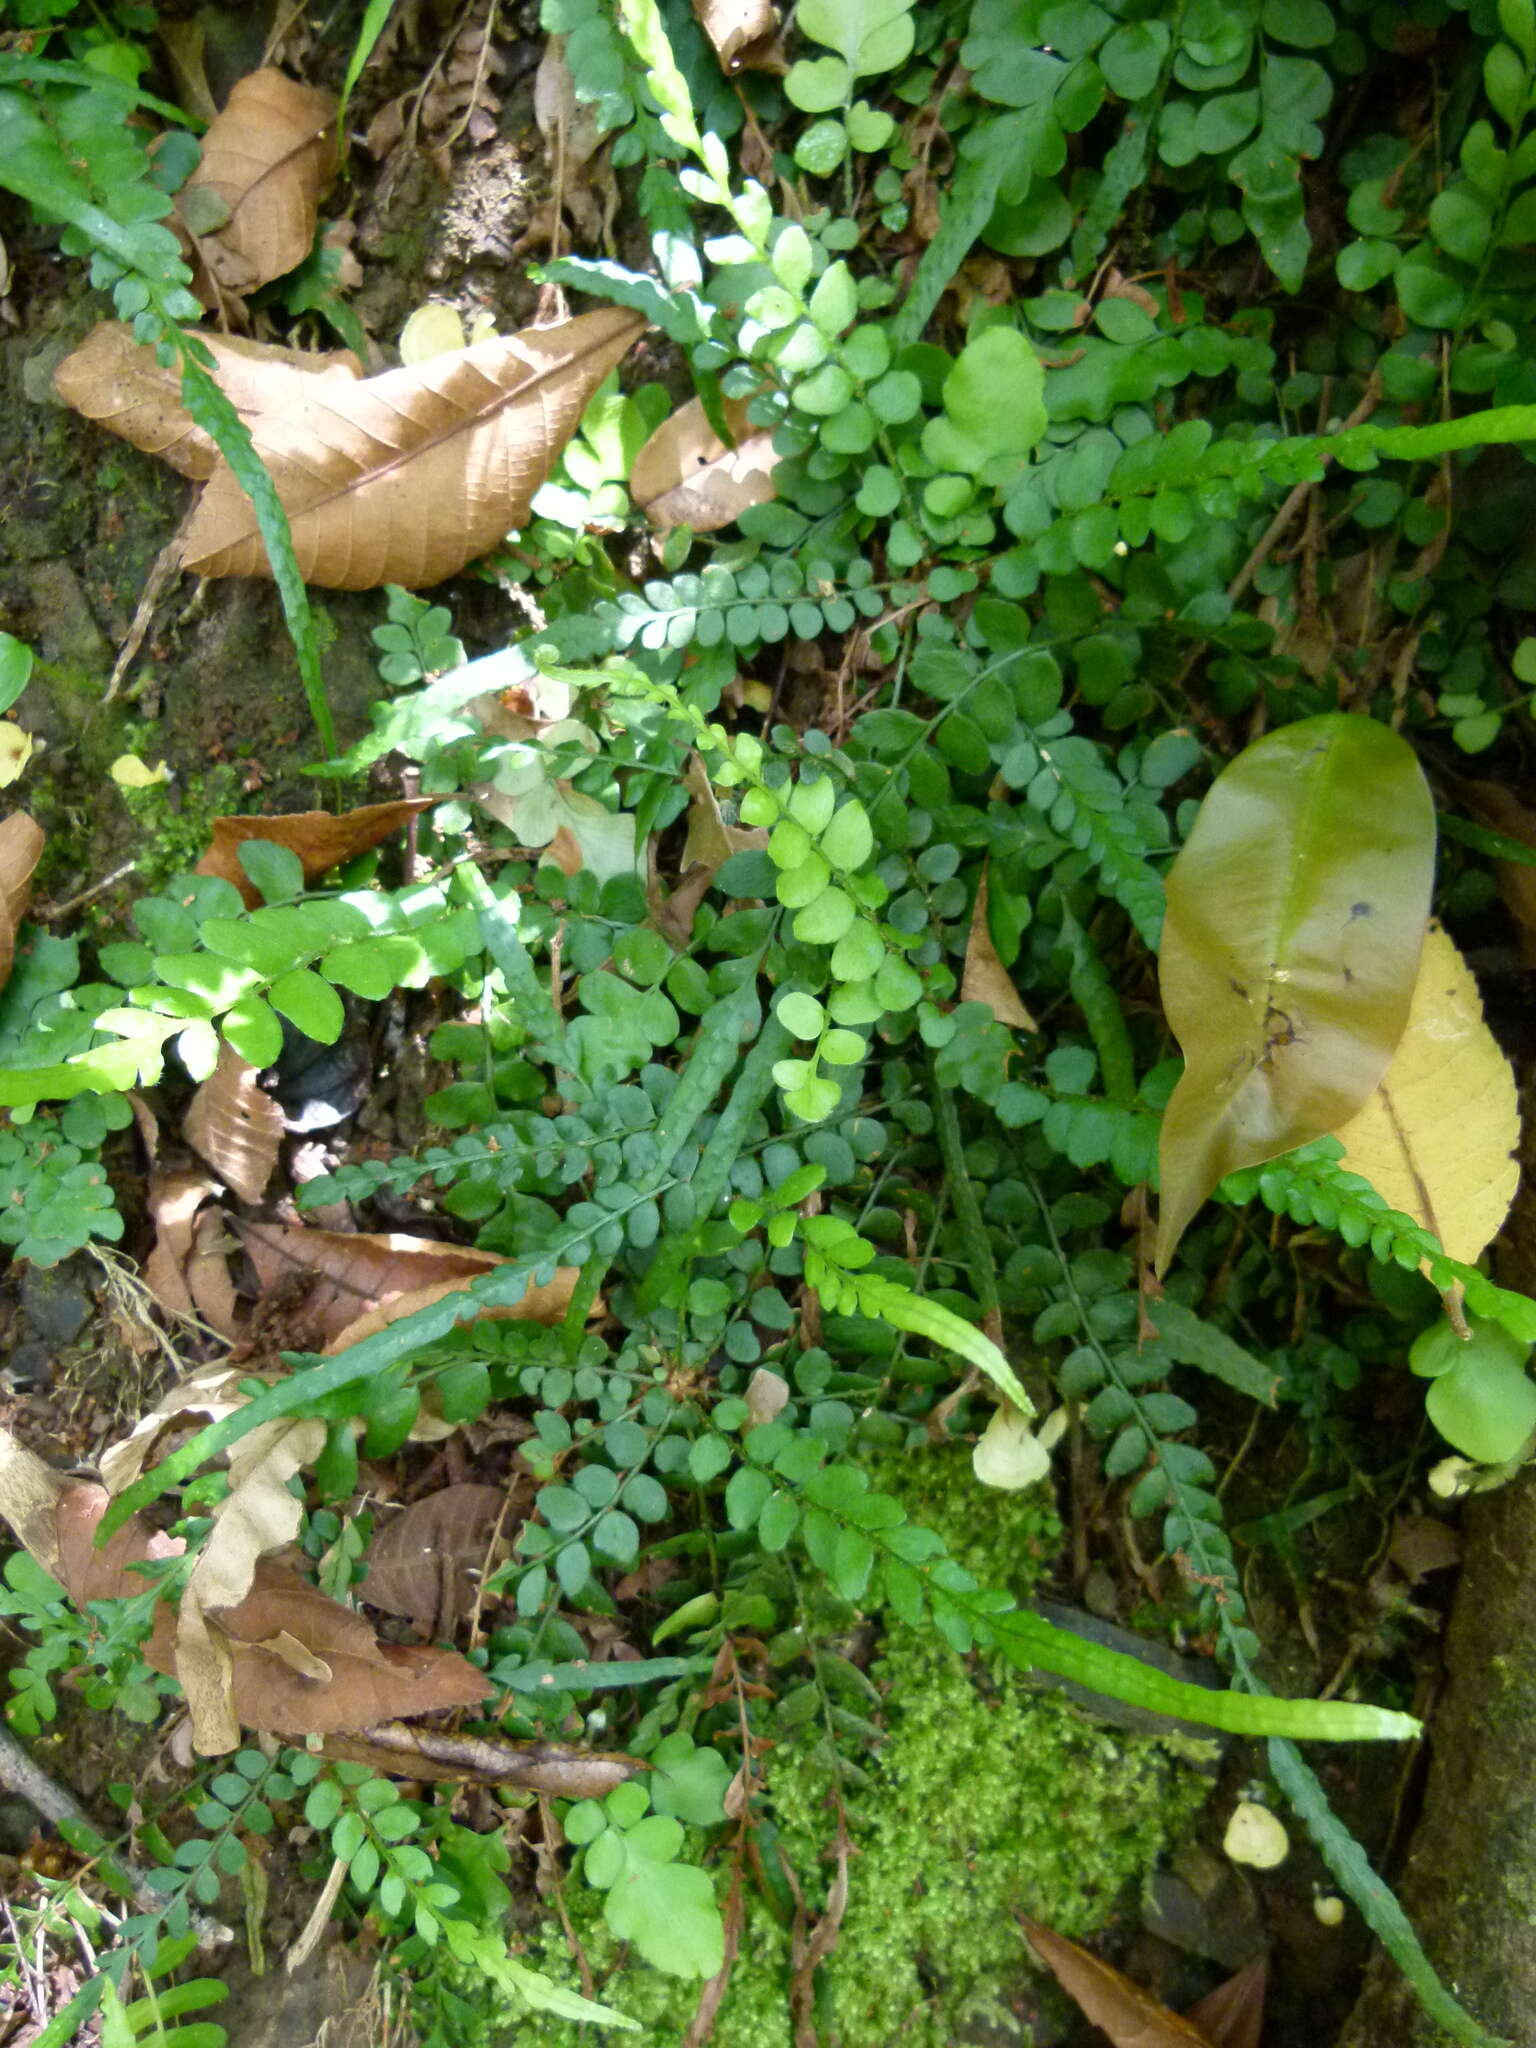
{"x":321,"y":840}
{"x":1438,"y":1139}
{"x":21,"y":847}
{"x":253,"y":201}
{"x":423,"y":1562}
{"x":685,"y":475}
{"x":117,"y":383}
{"x":984,"y":978}
{"x":293,"y":1662}
{"x":404,"y":478}
{"x":236,"y":1126}
{"x":364,"y":1281}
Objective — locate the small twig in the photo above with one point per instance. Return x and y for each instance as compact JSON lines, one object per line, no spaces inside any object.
{"x":28,"y":1780}
{"x":47,"y":913}
{"x":1265,"y":546}
{"x":315,"y":1926}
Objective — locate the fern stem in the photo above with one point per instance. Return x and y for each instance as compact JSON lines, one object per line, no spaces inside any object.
{"x":962,"y":1195}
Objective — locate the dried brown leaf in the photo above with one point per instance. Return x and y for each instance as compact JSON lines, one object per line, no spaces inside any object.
{"x":744,"y":33}
{"x":236,"y":1126}
{"x":984,"y":978}
{"x":404,"y":478}
{"x":1233,"y":2014}
{"x":173,"y":1201}
{"x":686,"y":476}
{"x":119,"y":384}
{"x":359,"y":1276}
{"x":266,"y":160}
{"x":208,"y":1275}
{"x":423,"y":1562}
{"x":268,"y":1652}
{"x":1131,"y":2017}
{"x":21,"y":846}
{"x":321,"y":840}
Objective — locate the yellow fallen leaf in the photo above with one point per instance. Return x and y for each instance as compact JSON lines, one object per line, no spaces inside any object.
{"x":15,"y":752}
{"x":129,"y":772}
{"x":1437,"y":1139}
{"x":432,"y":330}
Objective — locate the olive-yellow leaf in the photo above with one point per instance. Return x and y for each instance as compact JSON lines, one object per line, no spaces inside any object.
{"x":1437,"y":1140}
{"x":1296,"y":915}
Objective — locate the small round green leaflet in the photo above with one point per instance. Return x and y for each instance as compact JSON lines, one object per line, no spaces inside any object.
{"x":1482,"y":1400}
{"x":1296,"y":915}
{"x":15,"y":669}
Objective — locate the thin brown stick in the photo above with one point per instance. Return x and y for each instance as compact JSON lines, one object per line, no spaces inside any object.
{"x":1267,"y":542}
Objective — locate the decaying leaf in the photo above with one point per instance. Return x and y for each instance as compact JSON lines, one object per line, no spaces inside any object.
{"x":686,"y":476}
{"x":1439,"y":1138}
{"x":1296,"y":913}
{"x":423,"y":1562}
{"x":119,"y":384}
{"x":1131,"y":2017}
{"x":744,"y":33}
{"x":253,"y":201}
{"x":363,"y":1282}
{"x":21,"y":847}
{"x":405,"y":477}
{"x":236,"y":1126}
{"x":291,"y":1661}
{"x":321,"y":841}
{"x":984,"y":978}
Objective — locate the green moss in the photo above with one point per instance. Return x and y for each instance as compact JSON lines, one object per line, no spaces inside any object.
{"x":175,"y":835}
{"x":987,"y":1798}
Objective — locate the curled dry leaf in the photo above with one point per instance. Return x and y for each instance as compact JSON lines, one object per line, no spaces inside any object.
{"x":1296,"y":913}
{"x":1439,"y":1138}
{"x":252,"y":203}
{"x":743,"y":33}
{"x":188,"y":1270}
{"x":686,"y":476}
{"x":364,"y":1281}
{"x":256,"y":1517}
{"x":404,"y":478}
{"x":236,"y":1126}
{"x":207,"y":1396}
{"x":21,"y":846}
{"x":120,"y":385}
{"x":320,"y":840}
{"x":423,"y":1562}
{"x":984,"y":978}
